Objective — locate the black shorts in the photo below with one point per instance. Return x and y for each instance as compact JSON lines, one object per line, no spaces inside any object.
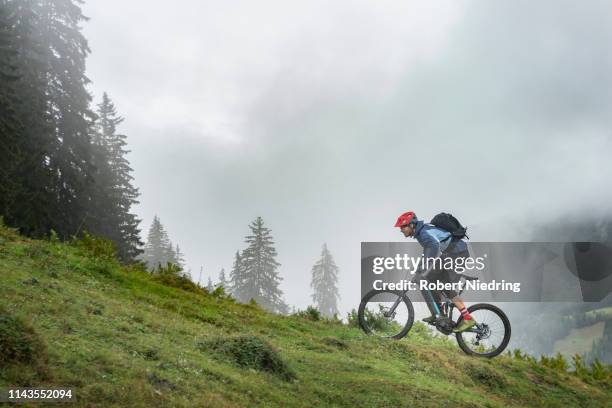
{"x":447,"y":275}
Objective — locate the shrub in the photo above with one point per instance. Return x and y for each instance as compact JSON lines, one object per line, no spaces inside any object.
{"x":6,"y":233}
{"x":558,"y":362}
{"x":20,"y":344}
{"x":171,"y":275}
{"x":53,"y":237}
{"x":377,"y":321}
{"x":518,"y":355}
{"x":219,"y":292}
{"x":311,"y":313}
{"x":353,"y":319}
{"x":99,"y":247}
{"x":579,"y":368}
{"x":249,"y":351}
{"x":484,"y":374}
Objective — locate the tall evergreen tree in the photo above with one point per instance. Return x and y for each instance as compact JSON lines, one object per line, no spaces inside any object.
{"x":113,"y":193}
{"x":158,"y":249}
{"x":223,"y":280}
{"x":200,"y":276}
{"x":32,"y":206}
{"x":11,"y":128}
{"x":236,"y":279}
{"x":51,"y":174}
{"x":261,"y":278}
{"x":210,"y":287}
{"x":65,"y":50}
{"x":325,"y":284}
{"x":179,"y":257}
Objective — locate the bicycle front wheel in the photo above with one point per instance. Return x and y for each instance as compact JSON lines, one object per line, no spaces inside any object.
{"x":491,"y":334}
{"x":376,"y":318}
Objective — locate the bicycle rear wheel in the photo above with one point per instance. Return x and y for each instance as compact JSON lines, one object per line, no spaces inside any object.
{"x":375,"y":317}
{"x":491,"y":334}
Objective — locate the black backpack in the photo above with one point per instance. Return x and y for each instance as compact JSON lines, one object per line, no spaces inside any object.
{"x":449,"y":223}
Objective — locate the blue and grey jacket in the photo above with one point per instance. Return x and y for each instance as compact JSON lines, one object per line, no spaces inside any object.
{"x":436,"y":241}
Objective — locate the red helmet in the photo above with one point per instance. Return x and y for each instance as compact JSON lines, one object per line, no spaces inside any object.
{"x":405,"y":218}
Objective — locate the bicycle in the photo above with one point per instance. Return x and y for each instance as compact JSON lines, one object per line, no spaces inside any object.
{"x":392,"y":316}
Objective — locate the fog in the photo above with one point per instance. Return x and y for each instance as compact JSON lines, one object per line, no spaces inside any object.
{"x":329,"y":120}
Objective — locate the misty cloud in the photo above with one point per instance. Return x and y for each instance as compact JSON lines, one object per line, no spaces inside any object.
{"x":329,"y":120}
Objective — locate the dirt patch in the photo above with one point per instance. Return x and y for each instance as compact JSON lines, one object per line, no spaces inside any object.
{"x":333,"y":342}
{"x":160,"y":382}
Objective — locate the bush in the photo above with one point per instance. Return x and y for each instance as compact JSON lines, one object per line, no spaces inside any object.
{"x":353,"y":319}
{"x":20,"y":344}
{"x":172,"y":275}
{"x":580,"y":369}
{"x":518,"y":355}
{"x":378,"y":322}
{"x":220,"y":293}
{"x":486,"y":375}
{"x":311,"y":313}
{"x":558,"y":362}
{"x":99,"y":247}
{"x":250,"y":352}
{"x":6,"y":233}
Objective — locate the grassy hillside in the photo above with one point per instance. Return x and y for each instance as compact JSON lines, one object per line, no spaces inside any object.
{"x":69,"y":316}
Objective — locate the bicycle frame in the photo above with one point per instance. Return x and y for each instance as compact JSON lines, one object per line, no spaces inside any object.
{"x":449,"y":305}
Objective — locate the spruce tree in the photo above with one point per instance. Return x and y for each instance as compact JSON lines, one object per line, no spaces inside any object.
{"x":222,"y":280}
{"x":48,"y":161}
{"x":158,"y":249}
{"x":68,"y":105}
{"x":210,"y":287}
{"x":32,"y":206}
{"x":179,"y":257}
{"x":261,"y":278}
{"x":236,"y":280}
{"x":113,"y":194}
{"x":11,"y":128}
{"x":325,"y":284}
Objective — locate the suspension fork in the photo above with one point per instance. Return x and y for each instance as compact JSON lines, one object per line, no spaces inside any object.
{"x":397,"y":302}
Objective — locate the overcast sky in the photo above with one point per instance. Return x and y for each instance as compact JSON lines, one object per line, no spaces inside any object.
{"x":329,"y":119}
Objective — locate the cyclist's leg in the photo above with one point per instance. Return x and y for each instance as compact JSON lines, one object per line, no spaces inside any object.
{"x":432,"y":297}
{"x":452,"y":277}
{"x":432,"y":301}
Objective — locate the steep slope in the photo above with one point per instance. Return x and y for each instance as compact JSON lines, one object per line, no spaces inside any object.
{"x":69,"y":316}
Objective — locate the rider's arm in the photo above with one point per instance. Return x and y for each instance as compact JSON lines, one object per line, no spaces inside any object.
{"x":431,"y":249}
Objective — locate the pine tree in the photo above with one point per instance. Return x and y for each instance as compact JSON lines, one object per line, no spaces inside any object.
{"x":32,"y":205}
{"x":113,"y":193}
{"x":48,"y":160}
{"x":325,"y":284}
{"x":222,"y":280}
{"x":236,"y":280}
{"x":68,"y":105}
{"x":11,"y":128}
{"x":179,"y":257}
{"x":158,"y":249}
{"x":261,"y":278}
{"x":210,"y":287}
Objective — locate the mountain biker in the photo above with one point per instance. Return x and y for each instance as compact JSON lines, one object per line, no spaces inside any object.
{"x":437,"y":242}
